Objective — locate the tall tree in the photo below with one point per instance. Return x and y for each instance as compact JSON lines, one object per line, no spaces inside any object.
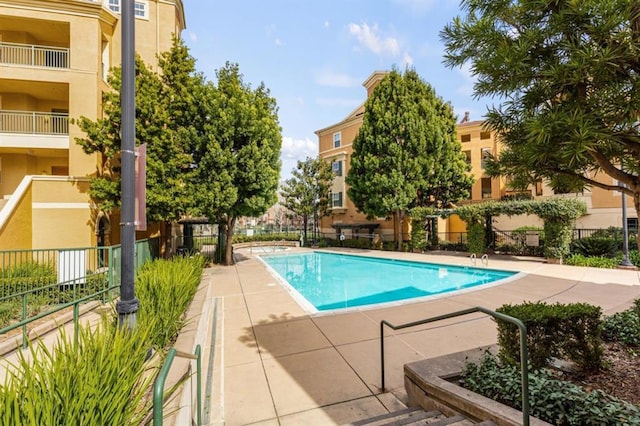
{"x":165,"y":118}
{"x":406,"y":151}
{"x":238,"y":163}
{"x":308,"y":189}
{"x":568,"y":74}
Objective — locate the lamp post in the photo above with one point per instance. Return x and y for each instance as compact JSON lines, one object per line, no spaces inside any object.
{"x":625,"y":230}
{"x":127,"y":306}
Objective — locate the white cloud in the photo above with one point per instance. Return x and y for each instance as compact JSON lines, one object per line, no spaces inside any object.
{"x":369,"y":38}
{"x":407,"y":60}
{"x":326,"y":24}
{"x":326,"y":77}
{"x":278,"y":42}
{"x":294,"y":150}
{"x":338,"y":102}
{"x":193,"y":36}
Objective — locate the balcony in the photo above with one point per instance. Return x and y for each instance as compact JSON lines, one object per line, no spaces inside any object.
{"x":28,"y":130}
{"x":31,"y":55}
{"x":34,"y":123}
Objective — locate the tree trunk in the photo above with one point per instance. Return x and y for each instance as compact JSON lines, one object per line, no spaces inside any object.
{"x":228,"y":254}
{"x":398,"y":230}
{"x":167,"y":240}
{"x":305,"y":223}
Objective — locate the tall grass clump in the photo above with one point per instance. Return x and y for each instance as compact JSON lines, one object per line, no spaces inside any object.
{"x":104,"y":380}
{"x":165,"y":288}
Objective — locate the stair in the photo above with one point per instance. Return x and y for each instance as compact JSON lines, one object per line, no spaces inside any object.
{"x":418,"y":416}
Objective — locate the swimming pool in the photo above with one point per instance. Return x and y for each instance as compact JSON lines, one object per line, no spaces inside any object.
{"x":330,"y":281}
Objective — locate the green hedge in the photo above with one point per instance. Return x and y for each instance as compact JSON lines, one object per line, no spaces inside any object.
{"x":558,"y":402}
{"x":624,"y":326}
{"x":266,"y":237}
{"x":570,"y":331}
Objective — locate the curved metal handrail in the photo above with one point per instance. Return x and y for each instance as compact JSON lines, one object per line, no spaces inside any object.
{"x":524,"y":352}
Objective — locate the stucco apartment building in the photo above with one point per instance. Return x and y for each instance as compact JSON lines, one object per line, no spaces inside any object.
{"x":55,"y":57}
{"x":335,"y":146}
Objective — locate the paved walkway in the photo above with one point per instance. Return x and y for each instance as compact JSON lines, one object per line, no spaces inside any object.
{"x":279,"y":365}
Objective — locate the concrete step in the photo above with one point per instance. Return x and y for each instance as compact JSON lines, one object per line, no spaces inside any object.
{"x":417,"y":416}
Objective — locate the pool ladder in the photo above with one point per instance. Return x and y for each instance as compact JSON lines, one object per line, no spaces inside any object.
{"x":484,"y":259}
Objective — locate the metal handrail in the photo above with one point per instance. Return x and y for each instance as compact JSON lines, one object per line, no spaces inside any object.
{"x":524,"y":352}
{"x":158,"y":387}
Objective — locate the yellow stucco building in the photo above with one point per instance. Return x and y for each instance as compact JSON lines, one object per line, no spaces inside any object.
{"x":55,"y":56}
{"x":477,"y":143}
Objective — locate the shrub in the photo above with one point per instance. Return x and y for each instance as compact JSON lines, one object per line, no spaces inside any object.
{"x":593,"y":246}
{"x":165,"y":288}
{"x":558,"y":402}
{"x":558,"y":236}
{"x":475,"y":238}
{"x":623,"y":327}
{"x":595,"y":262}
{"x":102,"y":380}
{"x":571,"y":331}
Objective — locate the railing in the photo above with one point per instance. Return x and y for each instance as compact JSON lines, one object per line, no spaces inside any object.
{"x":35,"y":123}
{"x":38,"y":283}
{"x":524,"y":352}
{"x":32,"y":55}
{"x":158,"y":387}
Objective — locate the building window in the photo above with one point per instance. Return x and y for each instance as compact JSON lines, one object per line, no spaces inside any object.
{"x":485,"y":154}
{"x":336,"y":140}
{"x":486,"y":187}
{"x":485,"y":135}
{"x":114,"y":5}
{"x":632,"y":225}
{"x":140,"y":7}
{"x":539,"y":187}
{"x":465,"y":138}
{"x":336,"y":199}
{"x":467,"y":156}
{"x":337,"y":167}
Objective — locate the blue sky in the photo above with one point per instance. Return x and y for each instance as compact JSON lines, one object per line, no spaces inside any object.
{"x":314,"y":55}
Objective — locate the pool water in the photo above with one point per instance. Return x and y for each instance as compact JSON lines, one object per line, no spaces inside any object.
{"x":330,"y":281}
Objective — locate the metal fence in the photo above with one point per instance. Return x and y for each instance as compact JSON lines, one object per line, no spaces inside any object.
{"x":34,"y":56}
{"x":38,"y":283}
{"x":35,"y":123}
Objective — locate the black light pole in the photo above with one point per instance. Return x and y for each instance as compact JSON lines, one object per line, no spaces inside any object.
{"x":625,"y":230}
{"x":127,"y":306}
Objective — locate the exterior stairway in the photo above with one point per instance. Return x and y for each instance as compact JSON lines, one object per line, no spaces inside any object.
{"x":3,"y":201}
{"x":418,"y":416}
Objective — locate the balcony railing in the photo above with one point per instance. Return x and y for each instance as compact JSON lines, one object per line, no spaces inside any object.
{"x":35,"y":123}
{"x":34,"y":56}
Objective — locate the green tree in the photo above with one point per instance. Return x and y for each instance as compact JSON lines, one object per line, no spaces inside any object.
{"x":238,"y":162}
{"x":406,"y":152}
{"x":165,"y":118}
{"x":567,"y":74}
{"x":309,"y":187}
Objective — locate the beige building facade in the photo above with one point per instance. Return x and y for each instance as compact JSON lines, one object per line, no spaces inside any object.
{"x":477,"y":144}
{"x":55,"y":57}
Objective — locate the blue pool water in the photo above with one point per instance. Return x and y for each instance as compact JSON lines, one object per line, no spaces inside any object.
{"x":336,"y":281}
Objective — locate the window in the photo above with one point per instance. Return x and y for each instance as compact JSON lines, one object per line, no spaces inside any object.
{"x":114,"y":5}
{"x":485,"y":154}
{"x":465,"y":138}
{"x":337,"y":167}
{"x":467,"y":155}
{"x":336,"y":140}
{"x":485,"y":135}
{"x":632,"y":225}
{"x":140,"y":7}
{"x":486,"y":187}
{"x":539,"y":187}
{"x":336,"y":199}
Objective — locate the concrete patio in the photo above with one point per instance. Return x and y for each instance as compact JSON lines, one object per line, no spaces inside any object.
{"x":276,"y":364}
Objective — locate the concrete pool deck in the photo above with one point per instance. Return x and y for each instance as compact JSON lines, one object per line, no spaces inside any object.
{"x":279,"y":365}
